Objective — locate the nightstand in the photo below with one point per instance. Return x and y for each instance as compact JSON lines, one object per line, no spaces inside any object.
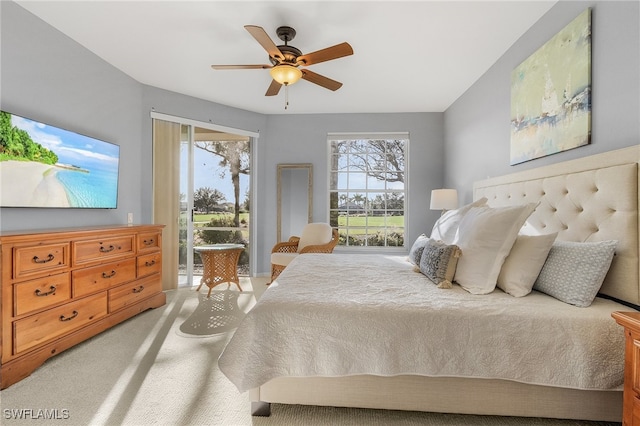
{"x":631,"y":406}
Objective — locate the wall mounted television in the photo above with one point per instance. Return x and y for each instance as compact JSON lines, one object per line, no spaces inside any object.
{"x":42,"y":166}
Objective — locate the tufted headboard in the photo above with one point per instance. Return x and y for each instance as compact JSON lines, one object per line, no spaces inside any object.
{"x":593,"y":198}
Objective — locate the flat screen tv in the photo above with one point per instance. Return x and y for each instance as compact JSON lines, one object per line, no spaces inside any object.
{"x":46,"y":166}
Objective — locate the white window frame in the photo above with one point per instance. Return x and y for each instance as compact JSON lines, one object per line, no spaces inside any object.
{"x":371,"y":136}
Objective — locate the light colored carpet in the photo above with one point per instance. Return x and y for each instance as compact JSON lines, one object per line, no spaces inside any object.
{"x":160,"y":368}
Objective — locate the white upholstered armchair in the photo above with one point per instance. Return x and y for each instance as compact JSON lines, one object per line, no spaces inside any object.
{"x":315,"y":238}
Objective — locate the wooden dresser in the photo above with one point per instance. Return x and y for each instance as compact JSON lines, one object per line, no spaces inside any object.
{"x":631,"y":406}
{"x":60,"y":287}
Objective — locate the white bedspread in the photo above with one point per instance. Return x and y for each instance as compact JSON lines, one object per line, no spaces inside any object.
{"x":340,"y":315}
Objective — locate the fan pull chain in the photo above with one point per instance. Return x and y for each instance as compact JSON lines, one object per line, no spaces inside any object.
{"x":286,"y":96}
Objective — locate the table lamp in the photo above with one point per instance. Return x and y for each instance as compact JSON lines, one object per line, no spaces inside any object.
{"x":444,"y":199}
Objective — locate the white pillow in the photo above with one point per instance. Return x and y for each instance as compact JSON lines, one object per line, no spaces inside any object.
{"x":523,"y":265}
{"x":415,"y":253}
{"x":446,"y":227}
{"x":485,"y":236}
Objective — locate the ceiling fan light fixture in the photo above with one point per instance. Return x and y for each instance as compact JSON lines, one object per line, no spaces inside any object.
{"x":285,"y":74}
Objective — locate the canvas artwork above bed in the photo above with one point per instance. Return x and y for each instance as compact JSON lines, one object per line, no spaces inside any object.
{"x":507,"y":303}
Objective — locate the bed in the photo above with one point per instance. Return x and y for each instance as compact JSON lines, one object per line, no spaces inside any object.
{"x":418,"y":347}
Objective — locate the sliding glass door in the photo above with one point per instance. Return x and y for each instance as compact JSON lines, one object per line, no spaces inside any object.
{"x":211,"y":195}
{"x":185,"y":223}
{"x":214,"y":194}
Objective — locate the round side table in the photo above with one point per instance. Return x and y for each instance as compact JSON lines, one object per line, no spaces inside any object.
{"x":220,"y":262}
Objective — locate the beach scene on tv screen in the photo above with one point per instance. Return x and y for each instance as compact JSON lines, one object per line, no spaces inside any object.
{"x":46,"y":166}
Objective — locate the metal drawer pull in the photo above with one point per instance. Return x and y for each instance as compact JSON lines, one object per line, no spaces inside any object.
{"x":63,"y":318}
{"x":153,"y":262}
{"x":148,"y":242}
{"x":52,"y":290}
{"x":139,"y":289}
{"x":49,"y":258}
{"x":107,"y":250}
{"x":113,"y":273}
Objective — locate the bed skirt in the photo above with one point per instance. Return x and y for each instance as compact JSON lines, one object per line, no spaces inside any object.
{"x":442,"y":395}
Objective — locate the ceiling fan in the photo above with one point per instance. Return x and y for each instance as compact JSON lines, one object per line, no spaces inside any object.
{"x":286,"y":60}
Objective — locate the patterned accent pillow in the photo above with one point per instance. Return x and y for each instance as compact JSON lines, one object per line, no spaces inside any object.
{"x":573,"y":272}
{"x":438,"y":262}
{"x":415,"y":253}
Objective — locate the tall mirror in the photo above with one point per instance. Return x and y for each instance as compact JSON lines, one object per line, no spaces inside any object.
{"x":295,"y":199}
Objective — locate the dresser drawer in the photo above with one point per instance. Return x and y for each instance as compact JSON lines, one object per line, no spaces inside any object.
{"x":148,"y":242}
{"x":97,"y":278}
{"x":103,"y":248}
{"x":47,"y":325}
{"x":636,"y":411}
{"x":634,"y":364}
{"x":129,"y":294}
{"x":39,"y":260}
{"x":149,"y":264}
{"x":41,"y":292}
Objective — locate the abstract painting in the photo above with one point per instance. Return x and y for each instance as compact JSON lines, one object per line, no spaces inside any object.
{"x":551,"y":95}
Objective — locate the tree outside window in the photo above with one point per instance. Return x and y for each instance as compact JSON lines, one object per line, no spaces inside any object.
{"x":367,"y":190}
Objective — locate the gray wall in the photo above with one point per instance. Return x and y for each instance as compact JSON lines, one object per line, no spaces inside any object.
{"x":48,"y":77}
{"x":478,"y":122}
{"x":303,"y":139}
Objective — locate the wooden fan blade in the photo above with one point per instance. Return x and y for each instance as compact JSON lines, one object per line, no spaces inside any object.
{"x":265,"y":41}
{"x":321,"y":80}
{"x":333,"y":52}
{"x":273,"y":89}
{"x":241,"y":67}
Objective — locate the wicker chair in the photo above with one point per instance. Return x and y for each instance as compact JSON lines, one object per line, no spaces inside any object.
{"x":315,"y":238}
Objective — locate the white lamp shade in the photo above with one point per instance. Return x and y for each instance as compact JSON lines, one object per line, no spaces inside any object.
{"x":444,"y":199}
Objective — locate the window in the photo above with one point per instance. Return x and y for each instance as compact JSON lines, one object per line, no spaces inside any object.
{"x":367,"y":189}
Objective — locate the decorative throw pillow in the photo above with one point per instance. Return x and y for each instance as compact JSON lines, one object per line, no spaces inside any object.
{"x":486,"y":236}
{"x":446,"y":227}
{"x":438,"y":262}
{"x":522,"y":266}
{"x":415,"y":253}
{"x":574,"y":272}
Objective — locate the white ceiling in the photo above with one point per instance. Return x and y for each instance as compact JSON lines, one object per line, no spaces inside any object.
{"x":414,"y":56}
